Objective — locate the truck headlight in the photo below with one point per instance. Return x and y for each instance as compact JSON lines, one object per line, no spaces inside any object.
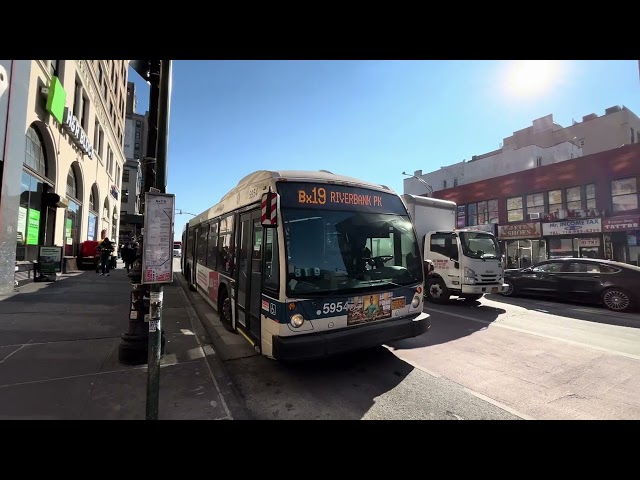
{"x":296,"y":320}
{"x":469,"y":276}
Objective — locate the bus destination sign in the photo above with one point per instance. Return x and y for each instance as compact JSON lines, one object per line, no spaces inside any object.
{"x":338,"y":197}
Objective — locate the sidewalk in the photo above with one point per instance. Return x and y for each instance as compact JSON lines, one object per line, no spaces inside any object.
{"x":59,"y":355}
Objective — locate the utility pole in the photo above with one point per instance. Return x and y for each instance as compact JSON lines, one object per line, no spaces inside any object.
{"x":144,"y":341}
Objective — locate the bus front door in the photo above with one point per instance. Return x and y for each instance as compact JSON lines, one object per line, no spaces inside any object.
{"x":250,"y":274}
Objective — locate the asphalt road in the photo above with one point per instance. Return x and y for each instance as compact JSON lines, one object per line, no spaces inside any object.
{"x":545,"y":360}
{"x":497,"y":358}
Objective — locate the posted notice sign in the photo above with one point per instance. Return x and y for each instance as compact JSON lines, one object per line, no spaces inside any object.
{"x":157,"y":253}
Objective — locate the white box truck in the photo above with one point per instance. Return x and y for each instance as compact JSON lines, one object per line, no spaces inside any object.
{"x":464,"y":262}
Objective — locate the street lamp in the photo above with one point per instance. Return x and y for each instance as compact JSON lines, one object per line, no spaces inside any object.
{"x":182,"y":212}
{"x":429,"y":187}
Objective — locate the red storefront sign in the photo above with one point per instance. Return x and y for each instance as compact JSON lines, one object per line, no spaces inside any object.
{"x":621,"y":224}
{"x":519,"y":230}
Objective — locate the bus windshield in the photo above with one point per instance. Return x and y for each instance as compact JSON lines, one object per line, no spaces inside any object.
{"x":479,"y":245}
{"x":348,"y":251}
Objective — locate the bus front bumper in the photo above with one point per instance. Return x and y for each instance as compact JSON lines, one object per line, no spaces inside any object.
{"x":325,"y":344}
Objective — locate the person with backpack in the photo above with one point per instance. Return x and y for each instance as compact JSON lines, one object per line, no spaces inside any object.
{"x":106,"y":250}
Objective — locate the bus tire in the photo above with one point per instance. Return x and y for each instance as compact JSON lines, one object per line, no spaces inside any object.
{"x":192,"y":287}
{"x":225,"y":310}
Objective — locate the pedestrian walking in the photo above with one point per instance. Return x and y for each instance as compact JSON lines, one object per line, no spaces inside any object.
{"x":106,"y":250}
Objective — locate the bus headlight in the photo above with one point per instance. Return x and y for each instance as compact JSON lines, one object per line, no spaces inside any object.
{"x":416,"y":301}
{"x":296,"y":320}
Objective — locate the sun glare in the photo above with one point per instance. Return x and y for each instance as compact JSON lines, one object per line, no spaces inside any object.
{"x":526,"y":78}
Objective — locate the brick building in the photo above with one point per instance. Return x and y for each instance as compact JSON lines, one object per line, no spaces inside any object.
{"x":586,"y":206}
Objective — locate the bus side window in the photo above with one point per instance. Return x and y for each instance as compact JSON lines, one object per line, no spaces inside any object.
{"x":201,"y":249}
{"x":272,"y":264}
{"x":212,"y":245}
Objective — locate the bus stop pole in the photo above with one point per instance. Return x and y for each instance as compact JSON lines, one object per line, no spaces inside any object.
{"x":156,"y":294}
{"x":133,"y":349}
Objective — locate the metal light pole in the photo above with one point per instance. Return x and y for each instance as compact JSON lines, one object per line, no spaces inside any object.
{"x":156,"y":337}
{"x":182,"y":212}
{"x":139,"y":345}
{"x":429,"y":187}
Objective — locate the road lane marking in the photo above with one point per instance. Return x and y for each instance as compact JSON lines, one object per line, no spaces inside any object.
{"x":468,"y":390}
{"x":191,"y":315}
{"x":498,"y":404}
{"x":544,"y":335}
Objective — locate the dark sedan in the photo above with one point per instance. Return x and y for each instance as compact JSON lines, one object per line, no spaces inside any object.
{"x":613,"y":284}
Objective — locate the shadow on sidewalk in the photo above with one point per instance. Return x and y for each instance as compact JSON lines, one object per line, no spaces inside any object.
{"x":59,"y":354}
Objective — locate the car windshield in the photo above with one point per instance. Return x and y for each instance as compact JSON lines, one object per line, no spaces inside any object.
{"x":479,"y":245}
{"x":348,"y":252}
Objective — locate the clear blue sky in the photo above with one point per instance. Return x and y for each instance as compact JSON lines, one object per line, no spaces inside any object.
{"x":367,"y":119}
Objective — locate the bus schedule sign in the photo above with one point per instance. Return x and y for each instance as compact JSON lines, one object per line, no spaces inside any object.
{"x":338,"y":197}
{"x":157,"y":253}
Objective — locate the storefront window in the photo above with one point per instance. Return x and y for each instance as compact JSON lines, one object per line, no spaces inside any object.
{"x":515,"y":212}
{"x":71,"y":224}
{"x":525,"y":253}
{"x":624,"y":194}
{"x":73,"y":215}
{"x":114,"y":226}
{"x":29,"y":218}
{"x":92,"y":230}
{"x":563,"y":247}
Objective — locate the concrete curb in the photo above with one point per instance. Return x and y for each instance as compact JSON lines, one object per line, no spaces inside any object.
{"x":210,"y":338}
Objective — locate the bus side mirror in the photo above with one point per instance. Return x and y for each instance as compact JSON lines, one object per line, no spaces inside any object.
{"x":269,"y":208}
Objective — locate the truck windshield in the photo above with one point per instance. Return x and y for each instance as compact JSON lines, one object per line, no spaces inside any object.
{"x":348,"y":252}
{"x":479,"y":245}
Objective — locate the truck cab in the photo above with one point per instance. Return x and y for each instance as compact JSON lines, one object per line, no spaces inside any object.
{"x":462,"y":262}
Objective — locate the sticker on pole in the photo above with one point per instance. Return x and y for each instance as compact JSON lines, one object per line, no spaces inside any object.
{"x":157,"y":252}
{"x":153,"y":325}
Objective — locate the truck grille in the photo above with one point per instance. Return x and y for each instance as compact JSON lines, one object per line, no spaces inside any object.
{"x":487,"y":279}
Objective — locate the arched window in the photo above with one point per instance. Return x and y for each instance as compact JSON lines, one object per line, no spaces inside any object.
{"x":92,"y":230}
{"x":36,"y":221}
{"x":34,"y":154}
{"x":114,"y":225}
{"x":73,"y":215}
{"x":72,"y":184}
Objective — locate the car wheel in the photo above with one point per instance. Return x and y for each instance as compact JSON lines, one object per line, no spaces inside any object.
{"x":616,"y":299}
{"x":510,"y":290}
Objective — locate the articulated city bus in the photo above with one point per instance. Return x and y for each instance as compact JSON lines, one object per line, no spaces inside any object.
{"x":308,"y":264}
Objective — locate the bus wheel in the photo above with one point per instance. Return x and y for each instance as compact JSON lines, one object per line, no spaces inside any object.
{"x":438,"y":291}
{"x":225,"y":311}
